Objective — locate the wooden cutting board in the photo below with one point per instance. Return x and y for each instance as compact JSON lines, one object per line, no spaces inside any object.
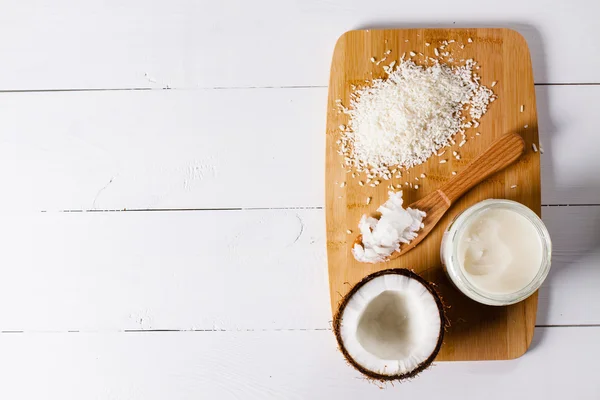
{"x":476,"y":331}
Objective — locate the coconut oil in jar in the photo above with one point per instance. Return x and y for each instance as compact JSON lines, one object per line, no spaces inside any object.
{"x":497,"y":252}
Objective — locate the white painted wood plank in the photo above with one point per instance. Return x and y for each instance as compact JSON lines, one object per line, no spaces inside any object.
{"x":231,"y":270}
{"x":180,"y":43}
{"x":570,"y":294}
{"x":162,"y":149}
{"x":164,"y":270}
{"x":568,"y":125}
{"x":275,"y":365}
{"x":224,"y":148}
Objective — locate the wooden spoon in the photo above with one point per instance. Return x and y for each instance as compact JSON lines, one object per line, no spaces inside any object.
{"x":503,"y":152}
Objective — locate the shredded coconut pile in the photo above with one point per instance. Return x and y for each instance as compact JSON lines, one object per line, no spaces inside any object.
{"x":404,"y":119}
{"x":381,"y":237}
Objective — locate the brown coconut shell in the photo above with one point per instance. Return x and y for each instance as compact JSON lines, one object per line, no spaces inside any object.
{"x":337,"y":324}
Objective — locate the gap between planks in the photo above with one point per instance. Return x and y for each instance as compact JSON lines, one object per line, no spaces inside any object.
{"x":238,"y":330}
{"x":231,"y":88}
{"x":186,"y":209}
{"x":248,"y":209}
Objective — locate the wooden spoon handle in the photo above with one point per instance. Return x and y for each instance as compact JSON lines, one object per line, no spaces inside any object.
{"x":503,"y":152}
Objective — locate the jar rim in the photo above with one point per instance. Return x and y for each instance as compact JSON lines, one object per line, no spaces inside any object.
{"x":456,"y":273}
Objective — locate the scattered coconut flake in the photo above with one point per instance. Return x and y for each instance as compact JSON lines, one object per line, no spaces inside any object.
{"x":462,"y":143}
{"x":441,"y":154}
{"x":522,"y":107}
{"x":427,"y":44}
{"x":348,"y":231}
{"x":526,"y":126}
{"x":404,"y":119}
{"x":369,"y":200}
{"x":458,"y":156}
{"x":382,"y":237}
{"x":470,"y":40}
{"x":534,"y":147}
{"x":423,"y":176}
{"x":416,"y":186}
{"x":412,"y":54}
{"x":453,"y":172}
{"x":343,"y":184}
{"x":373,"y":59}
{"x":541,"y":149}
{"x":436,"y":52}
{"x":443,"y":161}
{"x":361,"y":183}
{"x":477,"y":134}
{"x":494,"y":83}
{"x":513,"y":186}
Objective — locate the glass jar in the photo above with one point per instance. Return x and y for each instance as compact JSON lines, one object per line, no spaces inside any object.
{"x":456,"y":272}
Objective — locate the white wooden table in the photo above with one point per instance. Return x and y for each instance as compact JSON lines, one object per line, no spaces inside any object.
{"x":170,"y":244}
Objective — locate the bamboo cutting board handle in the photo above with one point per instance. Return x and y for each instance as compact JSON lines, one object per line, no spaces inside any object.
{"x":503,"y":152}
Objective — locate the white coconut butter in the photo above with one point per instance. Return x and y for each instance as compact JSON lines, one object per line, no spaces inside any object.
{"x":497,"y":252}
{"x":500,"y":251}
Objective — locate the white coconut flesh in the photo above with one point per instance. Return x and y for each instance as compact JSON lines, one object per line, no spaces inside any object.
{"x":391,"y":325}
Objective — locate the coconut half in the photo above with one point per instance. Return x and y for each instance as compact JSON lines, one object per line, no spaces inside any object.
{"x":390,"y":326}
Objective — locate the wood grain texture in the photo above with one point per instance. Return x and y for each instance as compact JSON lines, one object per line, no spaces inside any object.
{"x":501,"y":153}
{"x":477,"y":332}
{"x":184,"y":270}
{"x":115,"y":271}
{"x":170,"y":149}
{"x":68,"y":44}
{"x":575,"y":274}
{"x":284,"y":365}
{"x":161,"y":149}
{"x":180,"y":149}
